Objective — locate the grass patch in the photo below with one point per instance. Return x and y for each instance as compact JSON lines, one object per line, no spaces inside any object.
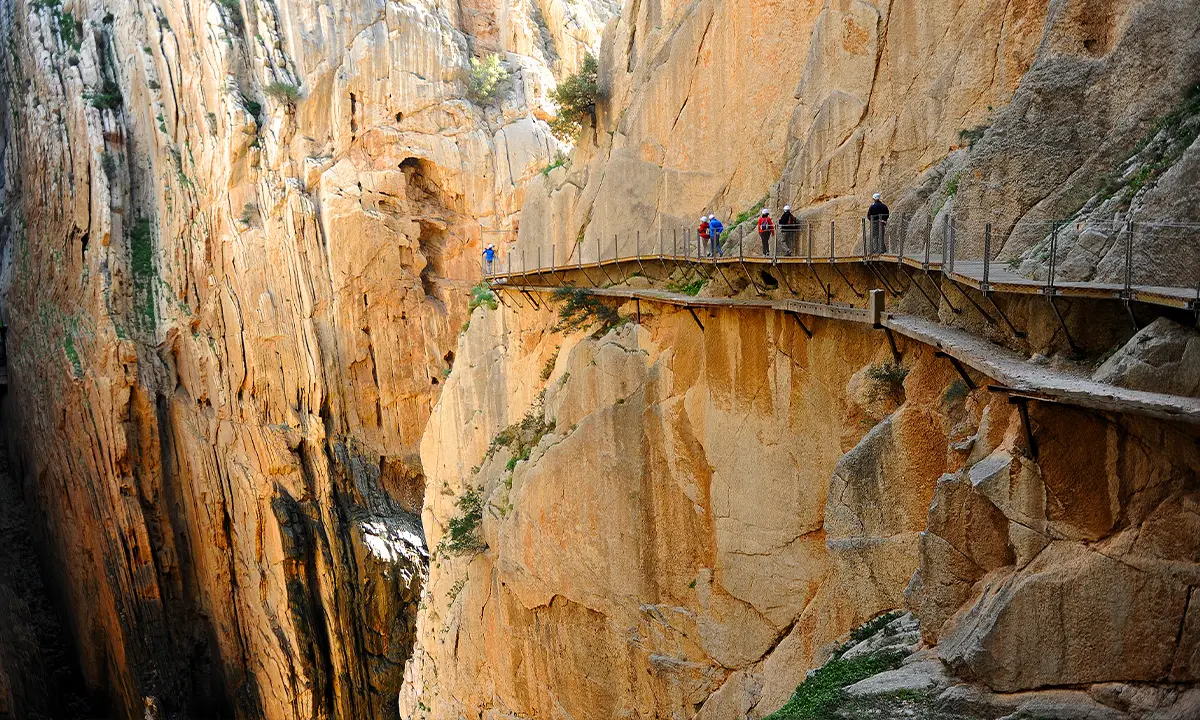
{"x":462,"y":531}
{"x":548,"y":368}
{"x":579,"y":309}
{"x":72,"y":355}
{"x":484,"y":78}
{"x":482,"y":296}
{"x":822,"y":692}
{"x":748,"y":214}
{"x":1160,"y":148}
{"x":692,"y":288}
{"x":576,"y":98}
{"x":282,"y":92}
{"x":873,"y":626}
{"x":560,"y":160}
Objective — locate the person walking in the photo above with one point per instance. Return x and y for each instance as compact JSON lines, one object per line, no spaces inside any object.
{"x":715,"y":228}
{"x":877,"y":216}
{"x":702,"y":233}
{"x":489,"y":259}
{"x":789,"y":230}
{"x":766,"y":228}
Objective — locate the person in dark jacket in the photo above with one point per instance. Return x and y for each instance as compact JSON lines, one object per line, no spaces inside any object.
{"x":877,"y":216}
{"x":789,"y":231}
{"x":715,"y":228}
{"x":766,"y":228}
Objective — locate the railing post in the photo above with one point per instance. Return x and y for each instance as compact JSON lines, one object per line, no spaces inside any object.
{"x":675,"y":245}
{"x":866,"y":250}
{"x":552,"y":270}
{"x":523,"y":268}
{"x":808,"y":233}
{"x":775,"y":250}
{"x":616,"y":250}
{"x":987,"y":257}
{"x":1129,"y":258}
{"x":539,"y":260}
{"x":953,"y":242}
{"x":831,"y":233}
{"x":637,"y":245}
{"x":900,"y":252}
{"x":928,"y":242}
{"x":1053,"y":252}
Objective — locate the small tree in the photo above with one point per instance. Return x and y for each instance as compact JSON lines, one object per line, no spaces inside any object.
{"x":576,"y":100}
{"x":282,"y":92}
{"x":484,"y":78}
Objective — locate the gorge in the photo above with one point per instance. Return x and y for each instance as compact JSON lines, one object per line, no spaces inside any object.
{"x":277,"y":449}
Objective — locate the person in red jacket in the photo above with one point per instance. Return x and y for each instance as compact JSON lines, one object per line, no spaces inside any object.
{"x":702,"y":232}
{"x":766,"y":228}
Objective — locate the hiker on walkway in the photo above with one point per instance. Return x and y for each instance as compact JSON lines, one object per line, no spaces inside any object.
{"x":789,"y":231}
{"x":715,"y":228}
{"x":877,"y":215}
{"x":702,"y":234}
{"x":766,"y":228}
{"x":489,"y":259}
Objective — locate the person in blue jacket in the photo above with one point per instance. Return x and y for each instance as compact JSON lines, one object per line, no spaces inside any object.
{"x":715,"y":228}
{"x":489,"y":259}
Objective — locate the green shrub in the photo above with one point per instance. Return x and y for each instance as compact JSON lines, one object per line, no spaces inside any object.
{"x":822,"y":691}
{"x":578,"y":309}
{"x":576,"y":98}
{"x":482,"y":296}
{"x":141,"y":264}
{"x":282,"y":92}
{"x":970,"y":137}
{"x":548,"y":368}
{"x":873,"y":626}
{"x":749,"y":214}
{"x":560,"y":160}
{"x":522,"y":437}
{"x":462,"y":531}
{"x":891,"y":374}
{"x":107,"y":97}
{"x":484,"y":78}
{"x":72,"y":356}
{"x":692,"y":288}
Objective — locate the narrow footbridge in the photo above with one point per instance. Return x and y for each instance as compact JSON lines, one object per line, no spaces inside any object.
{"x":520,"y":276}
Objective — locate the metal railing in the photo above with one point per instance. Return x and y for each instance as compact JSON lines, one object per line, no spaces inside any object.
{"x":1123,"y":259}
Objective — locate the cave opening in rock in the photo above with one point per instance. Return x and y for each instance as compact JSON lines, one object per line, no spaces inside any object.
{"x":428,"y":209}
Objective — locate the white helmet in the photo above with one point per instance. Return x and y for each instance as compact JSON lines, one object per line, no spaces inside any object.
{"x":766,"y":211}
{"x":490,"y":246}
{"x":877,"y":196}
{"x":787,"y":208}
{"x":703,"y":218}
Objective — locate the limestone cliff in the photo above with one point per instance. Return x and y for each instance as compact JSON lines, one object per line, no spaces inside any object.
{"x":1018,"y":114}
{"x":656,"y":520}
{"x":237,"y":237}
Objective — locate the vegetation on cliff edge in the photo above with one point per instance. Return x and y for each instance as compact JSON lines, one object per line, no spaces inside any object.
{"x":576,"y":99}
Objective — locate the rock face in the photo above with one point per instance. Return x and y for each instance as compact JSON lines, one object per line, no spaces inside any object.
{"x":1019,"y":115}
{"x":237,"y":237}
{"x":676,"y":522}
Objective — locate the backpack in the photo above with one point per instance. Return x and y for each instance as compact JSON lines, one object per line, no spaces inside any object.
{"x":765,"y":224}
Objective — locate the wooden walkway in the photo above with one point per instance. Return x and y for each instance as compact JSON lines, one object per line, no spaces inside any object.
{"x":1013,"y":374}
{"x":990,"y":277}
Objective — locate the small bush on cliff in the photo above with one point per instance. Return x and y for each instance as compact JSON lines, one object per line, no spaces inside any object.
{"x":462,"y":531}
{"x":282,"y":92}
{"x":484,"y":78}
{"x":576,"y":100}
{"x":891,"y":375}
{"x":482,"y":296}
{"x":107,"y":97}
{"x":579,"y":309}
{"x":522,"y":437}
{"x":691,"y":288}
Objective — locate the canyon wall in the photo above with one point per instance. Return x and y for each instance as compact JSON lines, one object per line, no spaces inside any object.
{"x":1015,"y":114}
{"x":676,"y":522}
{"x":236,"y":246}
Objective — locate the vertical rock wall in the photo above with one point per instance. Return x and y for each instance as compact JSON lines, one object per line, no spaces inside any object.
{"x":237,"y":241}
{"x":676,"y":522}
